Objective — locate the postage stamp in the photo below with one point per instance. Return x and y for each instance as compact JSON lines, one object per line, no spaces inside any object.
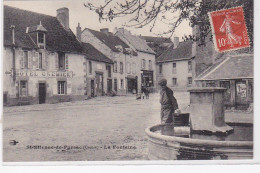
{"x":229,"y":29}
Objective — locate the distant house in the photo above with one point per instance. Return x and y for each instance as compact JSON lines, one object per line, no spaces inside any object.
{"x":123,"y":57}
{"x":157,"y":44}
{"x":176,"y":65}
{"x":235,"y":73}
{"x":43,"y":60}
{"x":145,"y":60}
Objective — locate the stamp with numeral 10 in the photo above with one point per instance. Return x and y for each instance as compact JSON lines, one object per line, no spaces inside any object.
{"x":229,"y":29}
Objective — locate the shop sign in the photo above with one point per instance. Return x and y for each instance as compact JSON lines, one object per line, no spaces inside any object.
{"x":40,"y":74}
{"x":241,"y":90}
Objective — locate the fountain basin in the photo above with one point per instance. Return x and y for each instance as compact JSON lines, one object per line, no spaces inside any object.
{"x":181,"y":146}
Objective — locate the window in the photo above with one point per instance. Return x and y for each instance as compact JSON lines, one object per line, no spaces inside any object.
{"x":128,"y":68}
{"x":40,"y":61}
{"x":61,"y":57}
{"x":174,"y":71}
{"x":61,"y":87}
{"x":150,"y":65}
{"x":133,"y":68}
{"x":23,"y":88}
{"x":189,"y":81}
{"x":121,"y":68}
{"x":40,"y":37}
{"x":115,"y":67}
{"x":174,"y":81}
{"x":160,"y":69}
{"x":143,"y":63}
{"x":122,"y":83}
{"x":189,"y":66}
{"x":25,"y":59}
{"x":90,"y":67}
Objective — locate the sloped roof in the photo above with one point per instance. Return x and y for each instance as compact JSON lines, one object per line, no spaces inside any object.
{"x":232,"y":67}
{"x":183,"y":51}
{"x":156,"y":39}
{"x":93,"y":54}
{"x":138,"y":43}
{"x":57,"y":37}
{"x":110,"y":40}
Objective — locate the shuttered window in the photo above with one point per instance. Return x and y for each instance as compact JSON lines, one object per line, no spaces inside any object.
{"x":40,"y":60}
{"x":25,"y":59}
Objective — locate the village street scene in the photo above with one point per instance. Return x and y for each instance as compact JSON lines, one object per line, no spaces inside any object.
{"x":88,"y":94}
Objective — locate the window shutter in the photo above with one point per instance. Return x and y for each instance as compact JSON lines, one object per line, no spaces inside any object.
{"x":37,"y":59}
{"x":57,"y":61}
{"x":55,"y":88}
{"x":69,"y":87}
{"x":22,"y":60}
{"x":43,"y":60}
{"x":66,"y":62}
{"x":29,"y":59}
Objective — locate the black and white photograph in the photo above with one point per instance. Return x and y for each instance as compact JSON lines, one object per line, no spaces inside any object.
{"x":127,"y":80}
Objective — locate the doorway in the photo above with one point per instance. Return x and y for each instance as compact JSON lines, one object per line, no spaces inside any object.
{"x":109,"y":85}
{"x":42,"y":93}
{"x":99,"y":84}
{"x":92,"y":85}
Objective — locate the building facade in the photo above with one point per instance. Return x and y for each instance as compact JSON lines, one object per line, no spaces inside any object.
{"x":42,"y":59}
{"x":98,"y":72}
{"x":145,"y":59}
{"x":176,"y":65}
{"x":123,"y":57}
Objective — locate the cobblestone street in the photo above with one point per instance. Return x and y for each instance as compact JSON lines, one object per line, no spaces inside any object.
{"x":97,"y":124}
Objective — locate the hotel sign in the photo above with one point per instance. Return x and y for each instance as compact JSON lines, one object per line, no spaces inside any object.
{"x":40,"y":74}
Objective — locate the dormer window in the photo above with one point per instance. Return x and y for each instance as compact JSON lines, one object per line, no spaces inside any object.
{"x":40,"y":37}
{"x":37,"y":34}
{"x":41,"y":40}
{"x":119,"y":48}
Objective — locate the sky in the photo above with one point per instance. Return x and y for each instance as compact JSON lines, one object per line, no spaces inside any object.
{"x":89,"y":19}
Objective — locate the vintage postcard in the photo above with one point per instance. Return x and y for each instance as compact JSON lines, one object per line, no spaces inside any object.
{"x":133,"y":80}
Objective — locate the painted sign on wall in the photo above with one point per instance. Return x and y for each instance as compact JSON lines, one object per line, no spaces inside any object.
{"x":49,"y":74}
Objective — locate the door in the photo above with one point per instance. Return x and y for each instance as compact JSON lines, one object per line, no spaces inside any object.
{"x":42,"y":93}
{"x":92,"y":88}
{"x":115,"y":85}
{"x":109,"y":85}
{"x":99,"y":84}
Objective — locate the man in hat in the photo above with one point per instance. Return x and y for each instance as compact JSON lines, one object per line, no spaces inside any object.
{"x":168,"y":102}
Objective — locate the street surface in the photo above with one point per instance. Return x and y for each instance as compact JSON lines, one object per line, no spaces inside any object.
{"x":102,"y":128}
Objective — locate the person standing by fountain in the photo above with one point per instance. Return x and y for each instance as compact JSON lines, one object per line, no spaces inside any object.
{"x":168,"y":102}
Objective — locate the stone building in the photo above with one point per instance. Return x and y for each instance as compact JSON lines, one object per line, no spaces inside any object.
{"x":145,"y":60}
{"x":99,"y":71}
{"x":176,"y":65}
{"x":43,"y":61}
{"x":235,"y":73}
{"x":123,"y":57}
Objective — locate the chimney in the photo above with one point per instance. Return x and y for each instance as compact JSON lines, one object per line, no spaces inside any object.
{"x":176,"y":42}
{"x":13,"y":34}
{"x":104,"y":30}
{"x":78,"y":32}
{"x":63,"y":17}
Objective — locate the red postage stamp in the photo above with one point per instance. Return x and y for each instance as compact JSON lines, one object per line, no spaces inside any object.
{"x":229,"y":29}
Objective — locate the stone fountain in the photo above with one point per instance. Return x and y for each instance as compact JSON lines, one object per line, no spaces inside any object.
{"x":207,"y":136}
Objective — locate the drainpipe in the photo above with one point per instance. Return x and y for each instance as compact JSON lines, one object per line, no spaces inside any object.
{"x":13,"y":51}
{"x":126,"y":90}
